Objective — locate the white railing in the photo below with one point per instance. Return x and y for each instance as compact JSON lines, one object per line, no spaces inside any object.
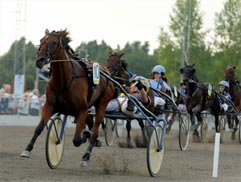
{"x":19,"y":105}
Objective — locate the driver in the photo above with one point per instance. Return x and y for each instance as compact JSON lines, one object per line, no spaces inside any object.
{"x":223,"y":89}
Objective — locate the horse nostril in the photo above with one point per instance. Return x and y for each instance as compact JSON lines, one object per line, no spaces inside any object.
{"x":40,"y":62}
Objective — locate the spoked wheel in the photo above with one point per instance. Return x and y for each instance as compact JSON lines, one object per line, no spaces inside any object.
{"x":109,"y":130}
{"x":184,"y":131}
{"x":154,"y":152}
{"x":119,"y":127}
{"x":54,"y":145}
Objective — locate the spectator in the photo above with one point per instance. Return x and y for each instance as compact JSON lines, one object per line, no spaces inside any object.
{"x":35,"y":103}
{"x":5,"y":96}
{"x":24,"y":104}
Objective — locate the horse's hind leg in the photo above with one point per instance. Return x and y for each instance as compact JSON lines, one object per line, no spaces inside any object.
{"x":229,"y":119}
{"x":94,"y":137}
{"x":38,"y":130}
{"x":80,"y":124}
{"x":142,"y":142}
{"x":130,"y":144}
{"x":235,"y":127}
{"x":196,"y":136}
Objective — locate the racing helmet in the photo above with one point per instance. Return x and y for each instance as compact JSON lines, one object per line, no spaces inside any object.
{"x":158,"y":69}
{"x":224,"y":83}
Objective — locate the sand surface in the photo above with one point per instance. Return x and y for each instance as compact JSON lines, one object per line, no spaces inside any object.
{"x":112,"y":163}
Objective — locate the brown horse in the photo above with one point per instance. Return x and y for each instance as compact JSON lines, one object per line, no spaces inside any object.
{"x":235,"y":92}
{"x":118,"y":69}
{"x":70,"y":90}
{"x":197,"y":99}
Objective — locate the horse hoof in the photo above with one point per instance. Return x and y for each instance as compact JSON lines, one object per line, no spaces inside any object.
{"x":25,"y":153}
{"x":233,"y":136}
{"x":131,"y":145}
{"x":87,"y":133}
{"x":196,"y":137}
{"x":98,"y":143}
{"x":139,"y":142}
{"x":84,"y":163}
{"x":168,"y":129}
{"x":77,"y":143}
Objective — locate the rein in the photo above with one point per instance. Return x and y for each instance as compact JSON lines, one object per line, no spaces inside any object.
{"x":117,"y":77}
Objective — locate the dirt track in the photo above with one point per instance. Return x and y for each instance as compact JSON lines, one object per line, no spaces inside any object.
{"x":113,"y":163}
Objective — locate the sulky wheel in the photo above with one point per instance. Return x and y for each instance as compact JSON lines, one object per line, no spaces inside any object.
{"x":109,"y":129}
{"x":154,"y":153}
{"x":54,"y":145}
{"x":184,"y":131}
{"x":119,"y":127}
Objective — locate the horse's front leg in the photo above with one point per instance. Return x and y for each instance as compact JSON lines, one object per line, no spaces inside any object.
{"x":217,"y":126}
{"x":46,"y":113}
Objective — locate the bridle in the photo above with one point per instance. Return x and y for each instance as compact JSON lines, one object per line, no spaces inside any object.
{"x":49,"y":55}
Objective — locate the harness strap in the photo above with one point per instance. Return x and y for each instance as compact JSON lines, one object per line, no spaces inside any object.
{"x":91,"y":84}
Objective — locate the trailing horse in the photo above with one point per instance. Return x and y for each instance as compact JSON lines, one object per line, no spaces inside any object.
{"x":70,"y":90}
{"x":235,"y":92}
{"x":118,"y":69}
{"x":198,"y":100}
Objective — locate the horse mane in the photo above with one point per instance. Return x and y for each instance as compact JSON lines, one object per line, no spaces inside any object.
{"x":65,"y":39}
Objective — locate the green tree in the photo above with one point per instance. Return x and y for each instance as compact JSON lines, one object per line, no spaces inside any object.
{"x":7,"y":63}
{"x":169,"y":55}
{"x":138,"y":59}
{"x":96,"y":52}
{"x":185,"y":42}
{"x":228,"y":34}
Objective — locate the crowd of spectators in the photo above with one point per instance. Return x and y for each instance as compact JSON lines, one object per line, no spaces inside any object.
{"x":30,"y":103}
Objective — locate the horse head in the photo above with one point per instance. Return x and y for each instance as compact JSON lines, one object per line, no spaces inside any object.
{"x":50,"y":46}
{"x":118,"y":67}
{"x":188,"y":72}
{"x":229,"y":73}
